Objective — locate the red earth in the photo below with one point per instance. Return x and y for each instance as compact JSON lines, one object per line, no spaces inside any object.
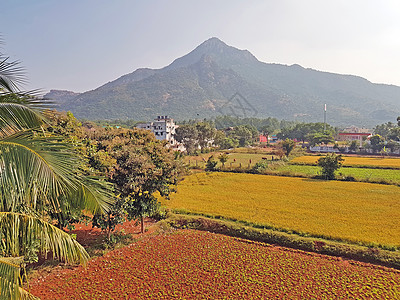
{"x":189,"y":264}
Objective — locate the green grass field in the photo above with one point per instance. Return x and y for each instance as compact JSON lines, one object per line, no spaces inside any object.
{"x":234,"y":159}
{"x":352,"y":211}
{"x":361,"y":174}
{"x":374,"y":162}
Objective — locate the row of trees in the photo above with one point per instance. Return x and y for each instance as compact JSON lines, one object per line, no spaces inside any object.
{"x":387,"y":136}
{"x":313,"y":133}
{"x":203,"y":135}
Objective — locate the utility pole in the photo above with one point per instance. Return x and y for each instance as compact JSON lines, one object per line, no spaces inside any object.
{"x":325,"y":117}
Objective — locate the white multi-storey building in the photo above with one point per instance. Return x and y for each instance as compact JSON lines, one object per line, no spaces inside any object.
{"x":163,"y":128}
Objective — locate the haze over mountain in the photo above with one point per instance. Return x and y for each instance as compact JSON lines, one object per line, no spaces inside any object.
{"x":216,"y":79}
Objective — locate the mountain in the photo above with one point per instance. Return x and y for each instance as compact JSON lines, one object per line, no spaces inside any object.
{"x":216,"y":79}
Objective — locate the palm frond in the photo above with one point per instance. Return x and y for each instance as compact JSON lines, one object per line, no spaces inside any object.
{"x":15,"y":117}
{"x":29,"y":173}
{"x":38,"y":171}
{"x":17,"y":230}
{"x":11,"y":75}
{"x":10,"y":279}
{"x":96,"y":195}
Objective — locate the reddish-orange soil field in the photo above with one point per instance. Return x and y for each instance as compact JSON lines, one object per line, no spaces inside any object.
{"x":188,"y":264}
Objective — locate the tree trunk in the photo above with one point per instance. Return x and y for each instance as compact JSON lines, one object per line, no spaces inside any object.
{"x":141,"y":224}
{"x":109,"y":227}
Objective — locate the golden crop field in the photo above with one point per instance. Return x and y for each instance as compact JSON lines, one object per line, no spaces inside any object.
{"x":359,"y":212}
{"x":355,"y":161}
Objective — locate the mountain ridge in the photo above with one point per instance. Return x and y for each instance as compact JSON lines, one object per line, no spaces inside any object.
{"x":202,"y":82}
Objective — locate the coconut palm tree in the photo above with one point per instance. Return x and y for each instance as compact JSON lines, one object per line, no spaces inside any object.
{"x":36,"y":173}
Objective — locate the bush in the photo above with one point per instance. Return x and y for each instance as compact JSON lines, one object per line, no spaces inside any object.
{"x":211,"y":164}
{"x":260,"y":167}
{"x":330,"y":164}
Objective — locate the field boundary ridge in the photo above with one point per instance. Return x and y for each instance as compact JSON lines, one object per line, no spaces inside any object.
{"x":366,"y":254}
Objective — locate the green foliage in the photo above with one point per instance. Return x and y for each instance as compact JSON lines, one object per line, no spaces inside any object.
{"x":384,"y":129}
{"x":211,"y":164}
{"x":142,"y":166}
{"x":223,"y":158}
{"x":244,"y":134}
{"x":330,"y":164}
{"x":188,"y":136}
{"x":228,"y":143}
{"x":206,"y":134}
{"x":324,"y":137}
{"x":377,"y":142}
{"x":260,"y":167}
{"x":37,"y":175}
{"x":353,"y":146}
{"x":109,"y":220}
{"x":268,"y":125}
{"x":306,"y":131}
{"x":287,"y":146}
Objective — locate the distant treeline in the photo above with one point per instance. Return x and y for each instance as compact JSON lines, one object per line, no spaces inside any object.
{"x":263,"y":125}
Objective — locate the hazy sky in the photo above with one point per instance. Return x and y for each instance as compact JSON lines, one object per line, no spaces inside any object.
{"x":79,"y":45}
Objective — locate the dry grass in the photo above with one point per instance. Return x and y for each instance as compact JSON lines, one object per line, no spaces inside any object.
{"x":353,"y":211}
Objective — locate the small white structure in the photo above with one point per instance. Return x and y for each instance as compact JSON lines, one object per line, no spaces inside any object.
{"x":163,"y":128}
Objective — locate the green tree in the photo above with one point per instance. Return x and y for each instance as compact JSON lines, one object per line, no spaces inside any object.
{"x":205,"y":134}
{"x":321,"y":138}
{"x":384,"y":129}
{"x":143,"y":166}
{"x":223,"y":158}
{"x":377,"y":142}
{"x":188,"y":135}
{"x":394,"y":134}
{"x":211,"y":164}
{"x":353,"y":146}
{"x":245,"y":134}
{"x":306,"y":132}
{"x":287,"y":146}
{"x":330,"y":164}
{"x":35,"y":173}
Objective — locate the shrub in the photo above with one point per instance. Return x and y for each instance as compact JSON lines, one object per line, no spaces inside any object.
{"x":211,"y":164}
{"x":330,"y":164}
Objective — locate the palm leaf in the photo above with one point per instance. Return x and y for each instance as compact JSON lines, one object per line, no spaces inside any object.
{"x":11,"y":74}
{"x":16,"y":117}
{"x":10,"y":279}
{"x":17,"y":230}
{"x":38,"y":171}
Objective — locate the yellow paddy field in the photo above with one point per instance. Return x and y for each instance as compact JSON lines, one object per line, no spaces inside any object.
{"x":354,"y":161}
{"x":354,"y":211}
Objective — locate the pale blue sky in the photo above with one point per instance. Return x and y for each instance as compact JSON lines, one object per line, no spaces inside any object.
{"x":79,"y":45}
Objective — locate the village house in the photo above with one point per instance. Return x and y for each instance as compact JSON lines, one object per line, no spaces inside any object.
{"x":163,"y":129}
{"x":354,"y":133}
